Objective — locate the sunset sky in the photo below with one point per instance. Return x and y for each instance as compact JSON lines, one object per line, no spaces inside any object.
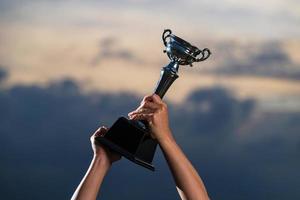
{"x":67,"y":67}
{"x":45,"y":41}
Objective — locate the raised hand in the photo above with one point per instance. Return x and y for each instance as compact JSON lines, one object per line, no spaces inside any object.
{"x":155,"y":112}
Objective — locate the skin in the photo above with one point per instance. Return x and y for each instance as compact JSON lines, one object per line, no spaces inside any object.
{"x":152,"y":109}
{"x":188,"y":181}
{"x":102,"y":160}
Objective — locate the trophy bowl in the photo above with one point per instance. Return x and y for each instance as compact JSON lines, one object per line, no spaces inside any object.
{"x":182,"y":52}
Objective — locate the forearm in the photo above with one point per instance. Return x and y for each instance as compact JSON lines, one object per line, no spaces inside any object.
{"x":91,"y":182}
{"x":185,"y":175}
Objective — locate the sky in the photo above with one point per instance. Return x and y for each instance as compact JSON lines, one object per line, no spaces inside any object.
{"x":95,"y":60}
{"x":239,"y":152}
{"x":44,"y":41}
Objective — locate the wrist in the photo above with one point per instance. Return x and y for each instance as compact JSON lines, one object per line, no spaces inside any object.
{"x":101,"y":162}
{"x":165,"y":137}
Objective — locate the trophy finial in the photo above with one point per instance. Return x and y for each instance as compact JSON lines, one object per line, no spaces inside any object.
{"x":182,"y":52}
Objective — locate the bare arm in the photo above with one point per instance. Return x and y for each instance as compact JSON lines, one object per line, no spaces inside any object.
{"x":188,"y":182}
{"x":101,"y":163}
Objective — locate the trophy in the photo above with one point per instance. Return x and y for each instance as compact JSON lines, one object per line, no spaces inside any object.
{"x":131,"y":138}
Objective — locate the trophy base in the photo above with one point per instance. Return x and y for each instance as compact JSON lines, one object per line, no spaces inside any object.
{"x":132,"y":140}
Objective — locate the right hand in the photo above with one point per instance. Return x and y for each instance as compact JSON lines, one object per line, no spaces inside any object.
{"x":155,"y":112}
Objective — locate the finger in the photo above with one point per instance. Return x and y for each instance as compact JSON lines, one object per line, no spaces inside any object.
{"x":100,"y":131}
{"x":142,"y":111}
{"x":138,"y":108}
{"x":157,"y":99}
{"x":132,"y":114}
{"x":146,"y":105}
{"x":147,"y":98}
{"x":147,"y":117}
{"x":151,"y":105}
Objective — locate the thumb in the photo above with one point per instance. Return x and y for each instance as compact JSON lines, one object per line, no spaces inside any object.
{"x":156,"y":99}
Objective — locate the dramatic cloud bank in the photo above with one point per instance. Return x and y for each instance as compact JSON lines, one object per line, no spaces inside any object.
{"x":240,"y":152}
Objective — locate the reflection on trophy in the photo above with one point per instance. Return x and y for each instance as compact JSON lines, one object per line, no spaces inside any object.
{"x":131,"y":138}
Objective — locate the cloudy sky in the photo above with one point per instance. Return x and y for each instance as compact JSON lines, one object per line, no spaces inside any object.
{"x":116,"y":45}
{"x":66,"y":65}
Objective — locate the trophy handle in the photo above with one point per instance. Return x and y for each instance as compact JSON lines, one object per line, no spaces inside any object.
{"x":165,"y":35}
{"x":168,"y":75}
{"x":204,"y":54}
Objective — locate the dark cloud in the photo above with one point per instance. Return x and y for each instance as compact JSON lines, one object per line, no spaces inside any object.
{"x":266,"y":59}
{"x":271,"y":53}
{"x":3,"y":74}
{"x":45,"y":146}
{"x":207,"y":107}
{"x":109,"y":49}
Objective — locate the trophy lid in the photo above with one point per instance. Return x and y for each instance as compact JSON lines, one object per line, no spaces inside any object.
{"x":181,"y":51}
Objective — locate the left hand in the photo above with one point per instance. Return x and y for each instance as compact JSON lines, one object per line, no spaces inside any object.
{"x":100,"y":151}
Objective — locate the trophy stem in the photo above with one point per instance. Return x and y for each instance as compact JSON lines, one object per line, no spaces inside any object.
{"x":168,"y":75}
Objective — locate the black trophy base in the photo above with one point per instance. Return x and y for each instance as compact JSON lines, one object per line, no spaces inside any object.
{"x":132,"y":140}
